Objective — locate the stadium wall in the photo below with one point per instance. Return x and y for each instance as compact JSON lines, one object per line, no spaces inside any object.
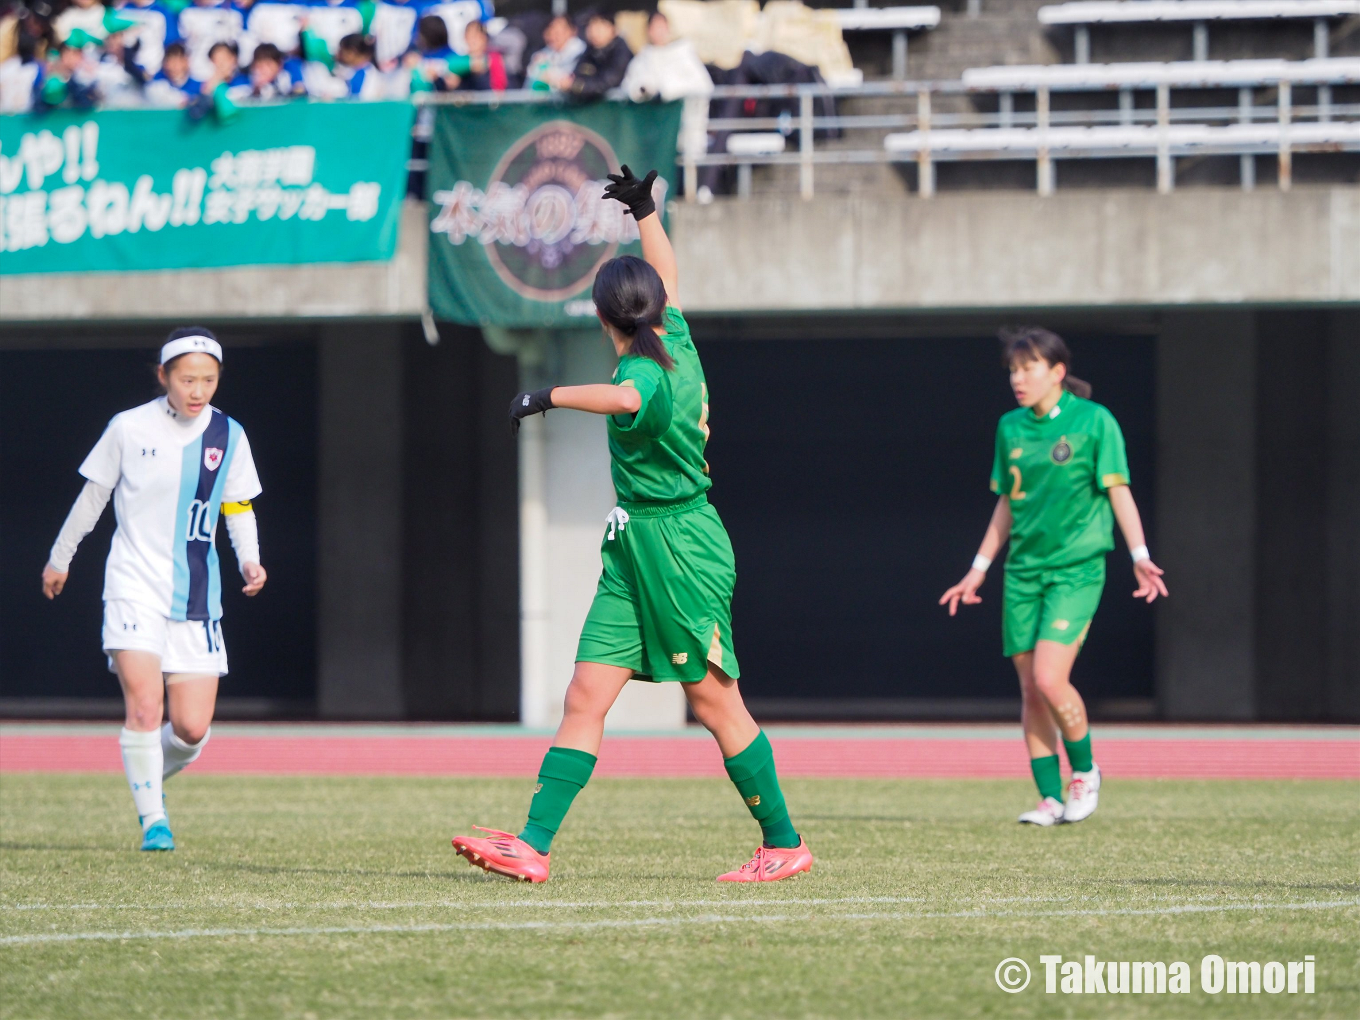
{"x":1242,"y":307}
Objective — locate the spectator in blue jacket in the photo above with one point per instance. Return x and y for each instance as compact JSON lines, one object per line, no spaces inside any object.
{"x":271,"y":77}
{"x":68,"y":79}
{"x":157,"y":26}
{"x":354,"y":66}
{"x":172,"y":86}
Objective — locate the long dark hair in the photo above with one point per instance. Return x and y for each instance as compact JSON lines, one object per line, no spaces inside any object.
{"x":630,"y":296}
{"x":1026,"y":343}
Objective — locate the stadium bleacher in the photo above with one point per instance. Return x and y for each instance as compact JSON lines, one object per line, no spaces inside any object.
{"x":969,"y":112}
{"x":897,"y":20}
{"x":1082,"y":14}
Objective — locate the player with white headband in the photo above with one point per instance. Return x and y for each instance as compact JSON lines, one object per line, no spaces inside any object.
{"x":172,"y":466}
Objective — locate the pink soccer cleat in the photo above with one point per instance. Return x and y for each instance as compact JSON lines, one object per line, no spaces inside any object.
{"x":504,"y":854}
{"x":771,"y":863}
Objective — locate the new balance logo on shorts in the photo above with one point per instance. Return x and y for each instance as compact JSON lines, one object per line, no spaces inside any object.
{"x":680,"y":658}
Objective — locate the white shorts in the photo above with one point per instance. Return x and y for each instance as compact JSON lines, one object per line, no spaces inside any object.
{"x":184,"y":646}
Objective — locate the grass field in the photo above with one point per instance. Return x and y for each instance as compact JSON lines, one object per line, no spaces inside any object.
{"x":341,"y":897}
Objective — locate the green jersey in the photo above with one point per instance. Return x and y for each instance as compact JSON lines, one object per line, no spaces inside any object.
{"x":657,"y":454}
{"x":1056,"y":472}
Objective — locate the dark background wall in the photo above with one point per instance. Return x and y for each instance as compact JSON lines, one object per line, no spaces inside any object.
{"x":461,"y":519}
{"x":388,"y":523}
{"x":853,"y":477}
{"x":54,"y":404}
{"x":851,"y":460}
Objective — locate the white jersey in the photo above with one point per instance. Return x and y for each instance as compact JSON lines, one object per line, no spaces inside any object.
{"x":169,"y":479}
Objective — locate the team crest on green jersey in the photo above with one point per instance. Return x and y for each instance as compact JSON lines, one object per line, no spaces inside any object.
{"x":1061,"y":452}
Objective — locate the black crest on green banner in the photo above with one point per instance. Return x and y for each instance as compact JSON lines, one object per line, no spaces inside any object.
{"x":518,"y":222}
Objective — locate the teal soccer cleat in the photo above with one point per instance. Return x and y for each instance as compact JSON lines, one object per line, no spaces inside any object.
{"x":158,"y":837}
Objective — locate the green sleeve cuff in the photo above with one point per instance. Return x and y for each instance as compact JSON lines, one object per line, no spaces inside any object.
{"x":315,"y":48}
{"x":53,"y":91}
{"x":225,"y":109}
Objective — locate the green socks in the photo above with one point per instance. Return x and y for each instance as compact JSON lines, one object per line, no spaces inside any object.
{"x":563,"y":774}
{"x":1079,"y":753}
{"x":752,"y":772}
{"x":1047,"y":776}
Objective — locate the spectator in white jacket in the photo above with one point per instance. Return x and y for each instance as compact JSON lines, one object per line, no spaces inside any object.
{"x":670,"y":68}
{"x":551,"y":67}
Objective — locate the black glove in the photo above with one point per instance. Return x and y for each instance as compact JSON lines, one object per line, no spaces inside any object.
{"x":635,"y":194}
{"x":529,"y":403}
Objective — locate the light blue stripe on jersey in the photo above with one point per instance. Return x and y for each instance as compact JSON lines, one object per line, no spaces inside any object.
{"x":188,"y":490}
{"x":214,"y":570}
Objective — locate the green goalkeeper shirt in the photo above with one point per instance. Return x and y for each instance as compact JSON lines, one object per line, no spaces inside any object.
{"x":1057,"y":471}
{"x":657,"y":454}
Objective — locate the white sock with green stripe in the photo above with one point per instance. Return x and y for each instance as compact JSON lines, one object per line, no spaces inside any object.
{"x":143,"y":761}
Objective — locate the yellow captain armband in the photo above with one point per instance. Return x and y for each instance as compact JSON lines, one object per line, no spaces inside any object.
{"x":237,"y":508}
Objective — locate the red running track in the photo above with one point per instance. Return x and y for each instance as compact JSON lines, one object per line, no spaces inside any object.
{"x":329,"y":753}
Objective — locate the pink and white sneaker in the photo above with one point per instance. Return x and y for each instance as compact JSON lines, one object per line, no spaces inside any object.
{"x":772,"y":863}
{"x":1083,"y":794}
{"x":504,"y":854}
{"x":1049,"y":812}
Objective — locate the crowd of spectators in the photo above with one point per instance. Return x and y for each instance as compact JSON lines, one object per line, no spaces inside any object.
{"x":210,"y":56}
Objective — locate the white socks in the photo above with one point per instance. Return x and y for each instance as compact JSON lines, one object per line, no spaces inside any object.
{"x":177,"y":753}
{"x":143,"y":761}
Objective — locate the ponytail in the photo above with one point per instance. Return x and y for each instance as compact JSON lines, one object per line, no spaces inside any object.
{"x":1028,"y":343}
{"x":630,"y":296}
{"x":647,"y":344}
{"x":1078,"y":386}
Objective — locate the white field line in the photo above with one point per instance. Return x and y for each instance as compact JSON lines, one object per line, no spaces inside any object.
{"x":644,"y":922}
{"x":464,"y":905}
{"x":563,"y":904}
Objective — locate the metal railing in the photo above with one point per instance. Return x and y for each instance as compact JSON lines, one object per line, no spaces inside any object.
{"x":1264,"y":104}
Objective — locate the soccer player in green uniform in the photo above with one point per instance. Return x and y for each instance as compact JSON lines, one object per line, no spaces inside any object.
{"x":663,"y":607}
{"x":1062,"y":478}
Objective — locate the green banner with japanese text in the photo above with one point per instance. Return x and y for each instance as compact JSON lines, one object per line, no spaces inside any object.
{"x":518,"y":221}
{"x":122,"y":190}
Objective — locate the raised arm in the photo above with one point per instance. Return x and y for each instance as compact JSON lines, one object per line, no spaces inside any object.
{"x":1149,"y":575}
{"x":657,"y":250}
{"x":998,"y":531}
{"x":656,"y":246}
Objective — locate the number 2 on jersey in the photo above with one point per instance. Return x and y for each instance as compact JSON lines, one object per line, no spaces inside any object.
{"x":1016,"y":491}
{"x":200,"y":522}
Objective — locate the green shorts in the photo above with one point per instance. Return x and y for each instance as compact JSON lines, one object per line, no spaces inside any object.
{"x":663,"y":607}
{"x":1050,"y":605}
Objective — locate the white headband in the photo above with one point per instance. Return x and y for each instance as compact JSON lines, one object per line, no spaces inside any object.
{"x":189,"y":345}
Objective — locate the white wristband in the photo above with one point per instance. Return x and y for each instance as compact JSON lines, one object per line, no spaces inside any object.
{"x":981,"y":562}
{"x":1140,"y":554}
